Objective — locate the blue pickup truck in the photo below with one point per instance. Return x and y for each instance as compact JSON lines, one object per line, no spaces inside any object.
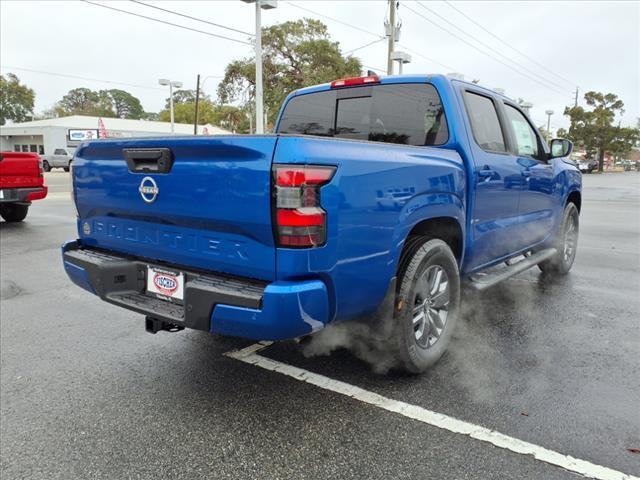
{"x":375,"y":198}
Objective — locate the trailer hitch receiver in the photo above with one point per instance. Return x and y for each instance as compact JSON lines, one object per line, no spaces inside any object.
{"x":154,"y":325}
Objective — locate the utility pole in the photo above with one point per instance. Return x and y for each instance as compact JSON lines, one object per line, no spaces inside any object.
{"x":391,"y":33}
{"x":195,"y":119}
{"x":576,"y":102}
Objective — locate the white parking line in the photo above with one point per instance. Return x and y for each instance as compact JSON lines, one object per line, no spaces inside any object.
{"x":249,"y":355}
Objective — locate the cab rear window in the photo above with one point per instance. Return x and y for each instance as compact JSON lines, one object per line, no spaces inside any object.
{"x":409,"y":114}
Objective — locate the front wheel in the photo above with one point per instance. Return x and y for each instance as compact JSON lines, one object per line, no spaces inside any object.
{"x":13,"y":212}
{"x":566,"y":243}
{"x":428,"y":303}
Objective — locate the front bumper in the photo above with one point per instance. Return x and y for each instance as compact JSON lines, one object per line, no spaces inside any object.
{"x":214,"y":302}
{"x":22,"y":195}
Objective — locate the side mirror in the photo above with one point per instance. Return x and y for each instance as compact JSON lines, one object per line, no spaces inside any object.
{"x":560,"y":147}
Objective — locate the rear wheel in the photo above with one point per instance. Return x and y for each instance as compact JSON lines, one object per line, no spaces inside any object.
{"x":13,"y":212}
{"x":45,"y":166}
{"x":428,"y":303}
{"x":566,"y":243}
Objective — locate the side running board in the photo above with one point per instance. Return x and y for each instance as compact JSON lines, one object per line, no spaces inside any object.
{"x":482,"y":282}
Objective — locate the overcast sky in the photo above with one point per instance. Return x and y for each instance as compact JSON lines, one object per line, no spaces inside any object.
{"x":589,"y":44}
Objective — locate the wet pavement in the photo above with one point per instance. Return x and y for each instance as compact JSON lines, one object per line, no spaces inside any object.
{"x":86,"y":393}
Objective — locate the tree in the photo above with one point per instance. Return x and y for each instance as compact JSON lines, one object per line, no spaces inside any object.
{"x":295,"y":54}
{"x":623,"y":142}
{"x":185,"y":96}
{"x":544,"y":132}
{"x":84,"y":101}
{"x":227,"y":116}
{"x":16,"y":100}
{"x":185,"y":112}
{"x":125,"y":105}
{"x":594,"y":129}
{"x":103,"y":103}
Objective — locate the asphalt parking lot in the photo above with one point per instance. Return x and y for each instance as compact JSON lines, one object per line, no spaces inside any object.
{"x":87,"y":394}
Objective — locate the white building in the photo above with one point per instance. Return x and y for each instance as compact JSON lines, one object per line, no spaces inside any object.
{"x":45,"y":136}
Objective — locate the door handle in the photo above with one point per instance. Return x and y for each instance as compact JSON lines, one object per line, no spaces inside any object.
{"x":526,"y":173}
{"x":485,"y":174}
{"x":148,"y":160}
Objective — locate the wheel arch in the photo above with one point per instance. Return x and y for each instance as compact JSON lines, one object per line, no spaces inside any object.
{"x":447,"y":229}
{"x":438,"y":220}
{"x":575,"y":197}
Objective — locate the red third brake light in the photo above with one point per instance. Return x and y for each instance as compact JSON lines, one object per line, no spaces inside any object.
{"x":353,"y":81}
{"x":300,"y":220}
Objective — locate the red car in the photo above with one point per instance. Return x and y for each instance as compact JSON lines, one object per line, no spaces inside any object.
{"x":21,"y":182}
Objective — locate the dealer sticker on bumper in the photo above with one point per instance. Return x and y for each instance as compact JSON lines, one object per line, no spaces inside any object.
{"x":165,"y":283}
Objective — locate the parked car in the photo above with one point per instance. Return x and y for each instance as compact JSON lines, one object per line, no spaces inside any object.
{"x":61,"y":158}
{"x":21,"y":182}
{"x":273,"y":237}
{"x":588,"y":165}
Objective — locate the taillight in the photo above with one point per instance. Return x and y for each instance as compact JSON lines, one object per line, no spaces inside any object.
{"x":300,"y":220}
{"x":40,"y":168}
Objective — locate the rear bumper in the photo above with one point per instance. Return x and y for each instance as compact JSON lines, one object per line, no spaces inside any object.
{"x":22,"y":195}
{"x":217,"y":303}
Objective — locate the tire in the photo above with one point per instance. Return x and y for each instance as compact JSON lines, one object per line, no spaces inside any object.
{"x":67,"y":168}
{"x":566,"y":243}
{"x":45,"y":166}
{"x":13,"y":212}
{"x":428,"y":303}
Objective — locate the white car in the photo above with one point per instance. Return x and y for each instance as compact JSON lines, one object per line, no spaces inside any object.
{"x":61,"y":158}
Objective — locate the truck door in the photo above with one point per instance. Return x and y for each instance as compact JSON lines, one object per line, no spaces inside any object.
{"x":497,"y":181}
{"x":537,"y":196}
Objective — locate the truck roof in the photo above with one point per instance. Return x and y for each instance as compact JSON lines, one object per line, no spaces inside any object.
{"x":409,"y":78}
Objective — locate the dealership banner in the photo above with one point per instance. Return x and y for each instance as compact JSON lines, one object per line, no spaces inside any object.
{"x":82,"y":135}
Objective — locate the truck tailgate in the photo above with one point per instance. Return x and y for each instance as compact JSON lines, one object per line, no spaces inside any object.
{"x":20,"y":170}
{"x":210,"y":211}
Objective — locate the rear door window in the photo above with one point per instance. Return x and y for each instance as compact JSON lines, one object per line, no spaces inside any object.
{"x":311,"y":114}
{"x":484,"y":122}
{"x":409,"y":114}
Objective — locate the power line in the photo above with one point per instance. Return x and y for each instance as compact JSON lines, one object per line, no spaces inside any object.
{"x":478,"y":49}
{"x":192,"y":18}
{"x":78,"y":77}
{"x":168,"y":23}
{"x":349,"y":52}
{"x":368,"y":32}
{"x":507,"y":44}
{"x":490,"y":47}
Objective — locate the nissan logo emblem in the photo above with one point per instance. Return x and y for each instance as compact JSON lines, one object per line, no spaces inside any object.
{"x":148,"y":189}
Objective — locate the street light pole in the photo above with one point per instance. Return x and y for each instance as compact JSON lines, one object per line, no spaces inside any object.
{"x":171,"y":107}
{"x":165,"y":82}
{"x":549,"y":113}
{"x":260,"y":5}
{"x":259,"y":100}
